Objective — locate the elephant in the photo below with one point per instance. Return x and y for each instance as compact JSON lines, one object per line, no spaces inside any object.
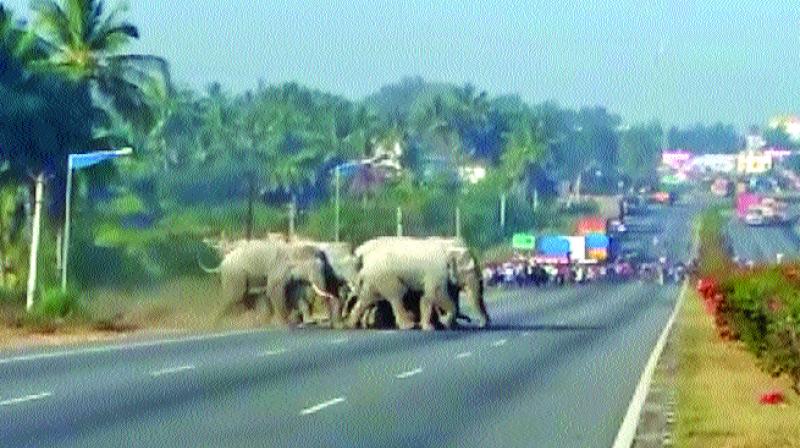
{"x":280,"y":272}
{"x":411,"y":300}
{"x":438,"y":268}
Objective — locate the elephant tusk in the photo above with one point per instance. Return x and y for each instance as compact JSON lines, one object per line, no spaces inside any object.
{"x":205,"y":269}
{"x":322,"y":293}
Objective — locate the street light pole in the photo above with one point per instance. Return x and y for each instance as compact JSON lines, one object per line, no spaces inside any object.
{"x":85,"y":160}
{"x":65,"y":241}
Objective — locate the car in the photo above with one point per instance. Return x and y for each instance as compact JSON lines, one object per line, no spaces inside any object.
{"x":754,"y":218}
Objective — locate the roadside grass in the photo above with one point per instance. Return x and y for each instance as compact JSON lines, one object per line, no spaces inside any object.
{"x":189,"y":303}
{"x":719,"y":386}
{"x":185,"y":304}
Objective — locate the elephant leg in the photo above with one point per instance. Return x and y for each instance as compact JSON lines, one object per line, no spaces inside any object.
{"x":425,"y":313}
{"x":368,"y":319}
{"x":402,"y":317}
{"x":348,"y":306}
{"x":305,"y":310}
{"x":278,"y":299}
{"x":334,"y":311}
{"x":358,"y":312}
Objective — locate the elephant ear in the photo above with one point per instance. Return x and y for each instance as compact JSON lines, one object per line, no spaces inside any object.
{"x":459,"y":263}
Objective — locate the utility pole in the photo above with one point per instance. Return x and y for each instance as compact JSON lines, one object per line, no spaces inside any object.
{"x":292,"y":217}
{"x":399,"y":221}
{"x":503,"y":211}
{"x":37,"y":219}
{"x":337,"y":177}
{"x":458,"y":222}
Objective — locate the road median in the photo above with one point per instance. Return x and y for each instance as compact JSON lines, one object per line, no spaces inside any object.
{"x":719,"y":388}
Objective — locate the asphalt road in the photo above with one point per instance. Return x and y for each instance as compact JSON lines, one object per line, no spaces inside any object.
{"x":558,"y":368}
{"x":762,"y":244}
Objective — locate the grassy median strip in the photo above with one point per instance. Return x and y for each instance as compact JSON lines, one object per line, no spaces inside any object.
{"x":719,"y":386}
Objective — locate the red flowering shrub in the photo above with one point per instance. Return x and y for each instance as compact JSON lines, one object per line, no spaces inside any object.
{"x":773,"y":397}
{"x":760,"y":307}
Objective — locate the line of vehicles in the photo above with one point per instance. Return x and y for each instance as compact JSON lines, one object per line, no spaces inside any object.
{"x":758,"y":210}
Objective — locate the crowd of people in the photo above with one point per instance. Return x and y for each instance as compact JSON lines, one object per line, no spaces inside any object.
{"x":527,"y":272}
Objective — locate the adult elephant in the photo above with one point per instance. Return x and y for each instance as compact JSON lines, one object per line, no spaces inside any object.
{"x":281,"y":272}
{"x":393,"y":267}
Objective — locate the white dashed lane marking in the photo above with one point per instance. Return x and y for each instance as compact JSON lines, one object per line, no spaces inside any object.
{"x":321,"y":406}
{"x":409,"y":374}
{"x":275,"y":352}
{"x":500,"y":343}
{"x":463,"y":355}
{"x":172,"y":370}
{"x":25,"y":399}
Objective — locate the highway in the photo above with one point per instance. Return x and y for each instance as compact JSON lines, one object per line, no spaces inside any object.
{"x":762,"y":244}
{"x":558,"y":368}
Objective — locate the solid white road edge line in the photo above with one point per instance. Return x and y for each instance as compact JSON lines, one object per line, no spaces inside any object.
{"x":25,"y":399}
{"x":114,"y":348}
{"x":172,"y":370}
{"x":627,"y":431}
{"x":409,"y":374}
{"x":463,"y":355}
{"x":321,"y":406}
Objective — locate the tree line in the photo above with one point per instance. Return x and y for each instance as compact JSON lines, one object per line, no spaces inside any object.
{"x":214,"y":160}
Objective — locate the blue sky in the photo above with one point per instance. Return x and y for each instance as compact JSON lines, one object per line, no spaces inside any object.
{"x":683,"y":61}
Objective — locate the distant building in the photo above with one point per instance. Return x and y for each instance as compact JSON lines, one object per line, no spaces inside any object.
{"x":714,"y":163}
{"x":754,"y":140}
{"x":752,"y":161}
{"x":676,"y":159}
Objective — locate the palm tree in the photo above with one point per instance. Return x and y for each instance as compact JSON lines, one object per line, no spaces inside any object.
{"x":84,"y":41}
{"x":16,"y":41}
{"x":522,"y":152}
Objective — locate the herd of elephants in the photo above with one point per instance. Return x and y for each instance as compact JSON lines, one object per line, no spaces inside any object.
{"x":387,"y":282}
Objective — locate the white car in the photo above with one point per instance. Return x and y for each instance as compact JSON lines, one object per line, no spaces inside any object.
{"x":754,"y":218}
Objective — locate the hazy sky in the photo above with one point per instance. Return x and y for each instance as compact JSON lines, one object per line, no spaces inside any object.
{"x":684,"y":60}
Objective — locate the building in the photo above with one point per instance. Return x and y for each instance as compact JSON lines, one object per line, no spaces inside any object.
{"x":714,"y":163}
{"x":752,"y":161}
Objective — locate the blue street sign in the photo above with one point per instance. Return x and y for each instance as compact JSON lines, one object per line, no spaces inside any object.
{"x":80,"y":161}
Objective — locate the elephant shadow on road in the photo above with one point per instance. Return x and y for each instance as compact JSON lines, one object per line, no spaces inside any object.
{"x":512,"y":328}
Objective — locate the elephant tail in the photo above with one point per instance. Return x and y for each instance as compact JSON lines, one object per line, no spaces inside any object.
{"x":206,"y":269}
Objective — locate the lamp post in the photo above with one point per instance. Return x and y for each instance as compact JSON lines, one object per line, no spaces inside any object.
{"x":76,"y":162}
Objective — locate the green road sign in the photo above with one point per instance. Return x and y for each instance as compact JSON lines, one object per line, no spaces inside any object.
{"x":523,"y":241}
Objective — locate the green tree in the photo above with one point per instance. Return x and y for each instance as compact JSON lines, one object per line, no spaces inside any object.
{"x":522,"y":152}
{"x":640,"y":151}
{"x":84,"y":40}
{"x":779,"y":138}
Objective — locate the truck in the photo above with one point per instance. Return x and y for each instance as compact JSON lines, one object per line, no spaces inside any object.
{"x":590,"y":224}
{"x":755,"y":210}
{"x":745,"y":201}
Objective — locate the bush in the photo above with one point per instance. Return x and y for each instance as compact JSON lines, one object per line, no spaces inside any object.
{"x":763,"y":308}
{"x":759,"y":307}
{"x":55,"y":304}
